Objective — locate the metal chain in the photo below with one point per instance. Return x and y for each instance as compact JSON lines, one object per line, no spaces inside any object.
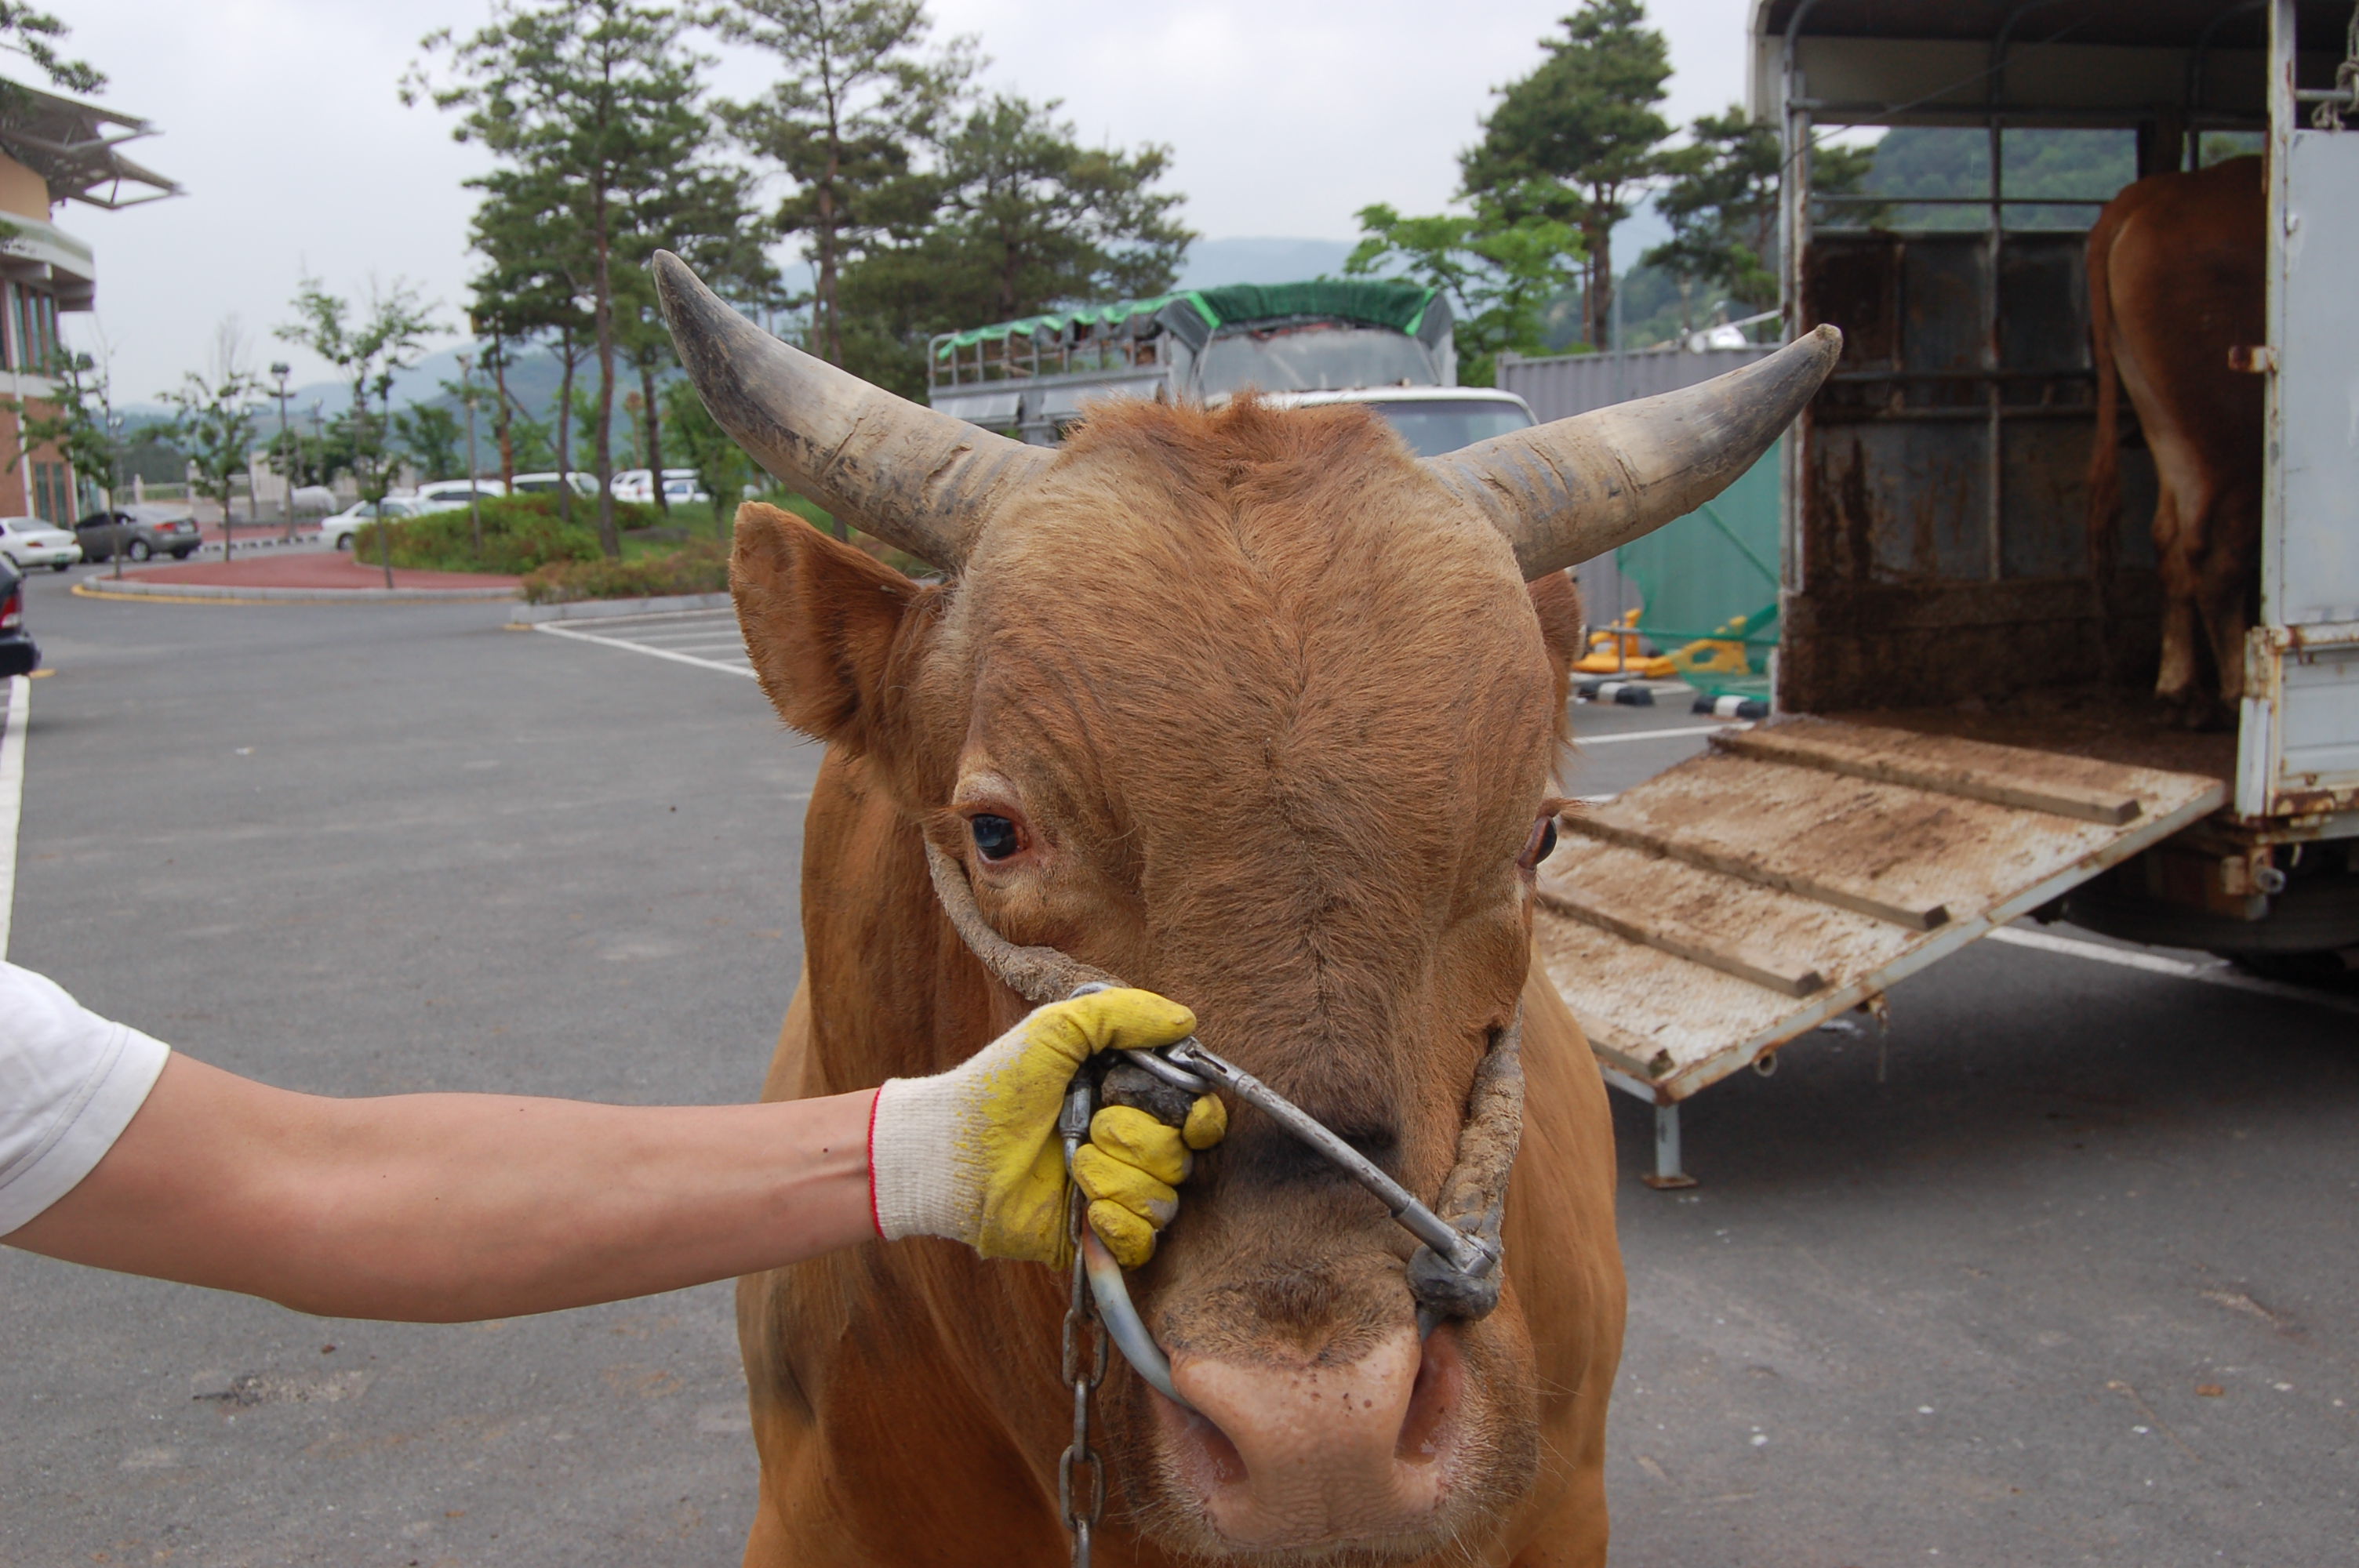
{"x":1082,"y":1365}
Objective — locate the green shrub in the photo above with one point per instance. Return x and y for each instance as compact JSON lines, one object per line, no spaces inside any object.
{"x":701,"y":567}
{"x":520,"y":532}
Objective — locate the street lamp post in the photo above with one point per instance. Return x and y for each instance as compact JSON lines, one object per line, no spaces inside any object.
{"x":474,"y":495}
{"x":286,"y":452}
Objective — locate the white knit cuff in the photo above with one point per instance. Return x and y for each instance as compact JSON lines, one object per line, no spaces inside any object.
{"x":914,"y":1174}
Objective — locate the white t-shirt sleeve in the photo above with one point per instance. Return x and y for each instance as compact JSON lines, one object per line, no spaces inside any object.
{"x":70,"y":1083}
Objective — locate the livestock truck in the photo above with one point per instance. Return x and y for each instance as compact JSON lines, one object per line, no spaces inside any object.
{"x":1964,"y":731}
{"x":1382,"y":343}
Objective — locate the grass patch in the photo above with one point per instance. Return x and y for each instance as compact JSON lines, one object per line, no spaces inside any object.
{"x":684,"y":552}
{"x":521,"y":533}
{"x":699,"y":566}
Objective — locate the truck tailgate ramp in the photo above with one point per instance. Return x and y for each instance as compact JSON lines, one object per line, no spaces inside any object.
{"x":1796,"y":870}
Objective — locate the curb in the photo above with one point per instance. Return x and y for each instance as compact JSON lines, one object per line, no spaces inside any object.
{"x":231,"y":594}
{"x":604,"y":609}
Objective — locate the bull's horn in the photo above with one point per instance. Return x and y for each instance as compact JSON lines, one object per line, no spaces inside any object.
{"x":1565,"y":492}
{"x":914,"y":478}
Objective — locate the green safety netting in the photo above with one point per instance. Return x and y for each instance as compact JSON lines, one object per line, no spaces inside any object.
{"x":1698,"y":572}
{"x":1375,"y":301}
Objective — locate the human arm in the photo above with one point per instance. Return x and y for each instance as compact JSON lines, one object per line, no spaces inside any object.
{"x":453,"y":1207}
{"x":456,"y":1206}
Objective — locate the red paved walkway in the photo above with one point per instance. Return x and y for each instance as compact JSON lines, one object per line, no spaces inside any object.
{"x":305,"y":570}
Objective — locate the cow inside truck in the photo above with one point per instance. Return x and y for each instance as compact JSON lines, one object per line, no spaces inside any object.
{"x":1966,"y":730}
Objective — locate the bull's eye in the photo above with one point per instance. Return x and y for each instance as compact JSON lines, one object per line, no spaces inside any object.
{"x":1540,"y":845}
{"x":995,"y":836}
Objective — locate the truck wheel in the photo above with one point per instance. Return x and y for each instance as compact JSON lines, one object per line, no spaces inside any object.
{"x":2313,"y":919}
{"x":2297,"y":968}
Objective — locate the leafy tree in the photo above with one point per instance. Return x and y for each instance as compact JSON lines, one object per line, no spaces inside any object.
{"x":1029,"y":218}
{"x":367,"y":351}
{"x":856,"y":96}
{"x":215,"y":425}
{"x":1577,"y":139}
{"x":723,"y":469}
{"x":1500,"y":274}
{"x":427,"y":434}
{"x":36,"y":35}
{"x":77,"y":420}
{"x":586,"y":103}
{"x":531,"y":442}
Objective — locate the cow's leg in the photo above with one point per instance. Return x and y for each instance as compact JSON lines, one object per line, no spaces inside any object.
{"x":2230,"y":570}
{"x":2179,"y":677}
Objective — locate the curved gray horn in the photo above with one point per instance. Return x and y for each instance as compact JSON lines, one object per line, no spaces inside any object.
{"x":1565,"y":492}
{"x":914,"y":478}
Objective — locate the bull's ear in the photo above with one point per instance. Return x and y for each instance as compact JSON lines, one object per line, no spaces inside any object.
{"x":820,"y":620}
{"x":1558,"y":604}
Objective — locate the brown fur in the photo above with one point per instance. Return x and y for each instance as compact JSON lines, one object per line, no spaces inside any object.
{"x":2175,"y":280}
{"x":1278,"y":719}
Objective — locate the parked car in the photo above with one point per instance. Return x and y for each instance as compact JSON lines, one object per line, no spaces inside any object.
{"x":639,"y":484}
{"x":33,"y":542}
{"x":546,"y":483}
{"x":338,"y":530}
{"x":138,"y":534}
{"x":676,"y":490}
{"x":18,"y":654}
{"x":454,"y":491}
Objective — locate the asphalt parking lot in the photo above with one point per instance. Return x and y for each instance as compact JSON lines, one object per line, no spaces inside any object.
{"x":2064,"y":1269}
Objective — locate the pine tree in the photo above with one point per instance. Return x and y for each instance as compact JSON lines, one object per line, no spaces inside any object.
{"x":856,"y":98}
{"x":1720,"y":201}
{"x":1026,"y":217}
{"x":1578,"y":138}
{"x":589,"y":102}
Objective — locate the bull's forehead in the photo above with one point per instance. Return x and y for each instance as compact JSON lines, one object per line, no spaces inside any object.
{"x":1286,"y":643}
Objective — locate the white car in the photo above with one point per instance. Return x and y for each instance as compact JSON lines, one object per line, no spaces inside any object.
{"x":338,"y":530}
{"x":454,"y":491}
{"x":546,"y":483}
{"x":639,"y":484}
{"x":29,"y":542}
{"x":1431,"y":419}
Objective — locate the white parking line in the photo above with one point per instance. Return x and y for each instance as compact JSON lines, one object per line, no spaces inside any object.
{"x":1580,"y":740}
{"x":654,"y":638}
{"x":554,"y":630}
{"x":12,"y":797}
{"x":2219,"y":973}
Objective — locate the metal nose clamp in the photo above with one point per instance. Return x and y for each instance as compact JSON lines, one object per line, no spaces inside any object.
{"x":1189,"y":1066}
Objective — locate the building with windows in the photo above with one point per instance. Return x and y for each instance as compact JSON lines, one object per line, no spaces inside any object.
{"x":53,"y":150}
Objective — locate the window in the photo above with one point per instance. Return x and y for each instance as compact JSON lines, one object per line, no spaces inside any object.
{"x":32,"y":327}
{"x":52,"y":492}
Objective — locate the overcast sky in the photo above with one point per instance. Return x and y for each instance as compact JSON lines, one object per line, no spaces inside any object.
{"x":280,"y":117}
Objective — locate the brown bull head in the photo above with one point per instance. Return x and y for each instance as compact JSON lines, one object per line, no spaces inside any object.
{"x":1263,"y":715}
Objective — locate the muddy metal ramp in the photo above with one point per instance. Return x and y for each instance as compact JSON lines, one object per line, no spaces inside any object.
{"x":1797,"y":868}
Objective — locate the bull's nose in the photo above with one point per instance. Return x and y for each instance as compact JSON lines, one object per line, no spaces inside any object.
{"x":1317,"y":1453}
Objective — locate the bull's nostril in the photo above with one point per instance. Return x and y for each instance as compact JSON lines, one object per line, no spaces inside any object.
{"x":1433,"y":1400}
{"x":1223,"y":1463}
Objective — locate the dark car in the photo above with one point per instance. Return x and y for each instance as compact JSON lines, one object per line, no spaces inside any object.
{"x":154,"y":534}
{"x":18,"y":657}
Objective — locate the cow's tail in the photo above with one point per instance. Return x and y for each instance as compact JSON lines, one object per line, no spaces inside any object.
{"x":2105,"y":484}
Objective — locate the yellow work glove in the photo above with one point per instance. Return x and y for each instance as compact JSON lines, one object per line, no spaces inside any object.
{"x":974,"y":1153}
